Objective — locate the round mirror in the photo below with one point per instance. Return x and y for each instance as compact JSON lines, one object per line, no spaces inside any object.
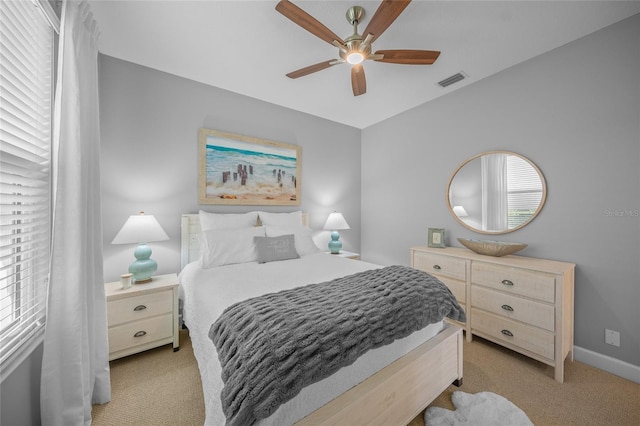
{"x":496,"y":192}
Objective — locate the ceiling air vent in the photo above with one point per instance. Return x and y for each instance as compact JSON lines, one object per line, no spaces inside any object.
{"x":453,"y":79}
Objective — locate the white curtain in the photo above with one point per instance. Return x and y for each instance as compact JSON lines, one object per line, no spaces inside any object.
{"x":75,"y":365}
{"x":494,"y":192}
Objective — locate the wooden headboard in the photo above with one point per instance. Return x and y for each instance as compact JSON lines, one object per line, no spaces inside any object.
{"x":190,"y":228}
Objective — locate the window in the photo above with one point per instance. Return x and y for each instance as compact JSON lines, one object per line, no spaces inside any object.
{"x":524,"y":191}
{"x":26,"y":93}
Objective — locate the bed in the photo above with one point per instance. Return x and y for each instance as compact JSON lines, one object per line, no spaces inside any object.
{"x":386,"y":385}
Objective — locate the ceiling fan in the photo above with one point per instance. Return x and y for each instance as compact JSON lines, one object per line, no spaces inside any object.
{"x":355,"y":49}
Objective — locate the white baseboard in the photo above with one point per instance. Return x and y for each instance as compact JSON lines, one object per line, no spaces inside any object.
{"x":607,"y":363}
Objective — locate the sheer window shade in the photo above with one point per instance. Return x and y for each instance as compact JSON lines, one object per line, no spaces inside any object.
{"x":26,"y":69}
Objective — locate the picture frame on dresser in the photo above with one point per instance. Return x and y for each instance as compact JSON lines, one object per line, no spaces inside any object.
{"x":435,"y":238}
{"x":242,"y":170}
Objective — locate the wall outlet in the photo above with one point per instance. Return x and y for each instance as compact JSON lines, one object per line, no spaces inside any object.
{"x":612,"y":337}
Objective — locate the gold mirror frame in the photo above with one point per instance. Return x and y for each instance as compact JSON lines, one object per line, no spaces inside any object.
{"x":508,"y":230}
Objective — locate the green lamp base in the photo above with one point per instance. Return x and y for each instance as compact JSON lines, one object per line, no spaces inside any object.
{"x":144,"y":267}
{"x":335,"y":244}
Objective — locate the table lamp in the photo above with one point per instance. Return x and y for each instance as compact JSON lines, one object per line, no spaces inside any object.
{"x":141,"y":229}
{"x":335,"y":222}
{"x":460,"y":211}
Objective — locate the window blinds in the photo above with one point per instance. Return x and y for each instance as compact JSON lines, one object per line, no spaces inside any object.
{"x":524,"y":192}
{"x":26,"y":62}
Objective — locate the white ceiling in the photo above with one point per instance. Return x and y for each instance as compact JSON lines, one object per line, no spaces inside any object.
{"x":247,"y":47}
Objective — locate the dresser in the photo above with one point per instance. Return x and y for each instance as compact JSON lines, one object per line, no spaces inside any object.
{"x":522,"y":303}
{"x":142,"y":317}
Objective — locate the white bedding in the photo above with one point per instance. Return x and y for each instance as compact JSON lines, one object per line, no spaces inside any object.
{"x":207,"y":292}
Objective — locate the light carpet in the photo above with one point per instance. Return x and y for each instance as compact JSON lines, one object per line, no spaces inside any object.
{"x":161,"y":387}
{"x":483,"y":408}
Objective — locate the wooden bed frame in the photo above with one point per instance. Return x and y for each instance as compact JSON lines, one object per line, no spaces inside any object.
{"x":394,"y":395}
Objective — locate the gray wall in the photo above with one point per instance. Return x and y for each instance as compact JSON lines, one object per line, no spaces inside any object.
{"x":575,"y":112}
{"x":20,"y":392}
{"x":149,"y":132}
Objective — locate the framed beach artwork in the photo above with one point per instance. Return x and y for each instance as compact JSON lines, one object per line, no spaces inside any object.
{"x":236,"y":169}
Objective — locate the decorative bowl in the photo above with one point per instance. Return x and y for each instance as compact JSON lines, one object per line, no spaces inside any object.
{"x":492,"y":248}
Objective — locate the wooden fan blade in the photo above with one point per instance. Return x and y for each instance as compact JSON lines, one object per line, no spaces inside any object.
{"x":358,"y":81}
{"x":408,"y":57}
{"x":312,"y":68}
{"x":307,"y":21}
{"x":387,"y":12}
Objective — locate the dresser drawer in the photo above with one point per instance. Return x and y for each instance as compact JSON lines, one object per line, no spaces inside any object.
{"x":140,"y":332}
{"x":458,"y":288}
{"x":134,"y":308}
{"x":536,"y":285}
{"x":513,"y":307}
{"x":530,"y":338}
{"x":445,"y":266}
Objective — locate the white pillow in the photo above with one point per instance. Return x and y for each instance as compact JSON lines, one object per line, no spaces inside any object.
{"x":302,"y":235}
{"x":282,"y":220}
{"x":227,"y":220}
{"x":220,"y":247}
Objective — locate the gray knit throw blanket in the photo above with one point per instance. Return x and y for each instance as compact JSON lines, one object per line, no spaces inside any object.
{"x":272,"y":346}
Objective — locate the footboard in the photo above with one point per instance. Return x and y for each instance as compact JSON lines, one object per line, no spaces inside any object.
{"x":400,"y":391}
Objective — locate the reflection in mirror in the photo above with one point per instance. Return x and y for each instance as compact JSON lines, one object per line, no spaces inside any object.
{"x":496,"y":192}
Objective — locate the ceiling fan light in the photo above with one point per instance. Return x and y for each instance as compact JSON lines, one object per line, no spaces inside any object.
{"x":355,"y":58}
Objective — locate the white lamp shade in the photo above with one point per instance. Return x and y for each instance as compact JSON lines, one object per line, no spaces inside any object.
{"x":460,"y":211}
{"x":140,"y":228}
{"x":336,"y":221}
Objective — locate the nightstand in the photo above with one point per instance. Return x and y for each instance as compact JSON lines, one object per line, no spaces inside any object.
{"x":142,"y":317}
{"x":346,"y":254}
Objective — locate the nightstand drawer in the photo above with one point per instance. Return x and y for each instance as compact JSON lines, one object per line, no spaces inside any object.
{"x":446,"y":266}
{"x":138,"y":307}
{"x":536,"y":285}
{"x":140,"y":332}
{"x":513,"y":307}
{"x":530,"y":338}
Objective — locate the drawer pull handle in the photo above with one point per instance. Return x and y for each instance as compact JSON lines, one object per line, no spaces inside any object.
{"x":140,"y":308}
{"x":507,"y":282}
{"x":507,"y":308}
{"x":507,"y":333}
{"x":140,"y":333}
{"x":437,"y":267}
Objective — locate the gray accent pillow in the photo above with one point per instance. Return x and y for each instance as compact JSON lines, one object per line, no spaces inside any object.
{"x":270,"y":249}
